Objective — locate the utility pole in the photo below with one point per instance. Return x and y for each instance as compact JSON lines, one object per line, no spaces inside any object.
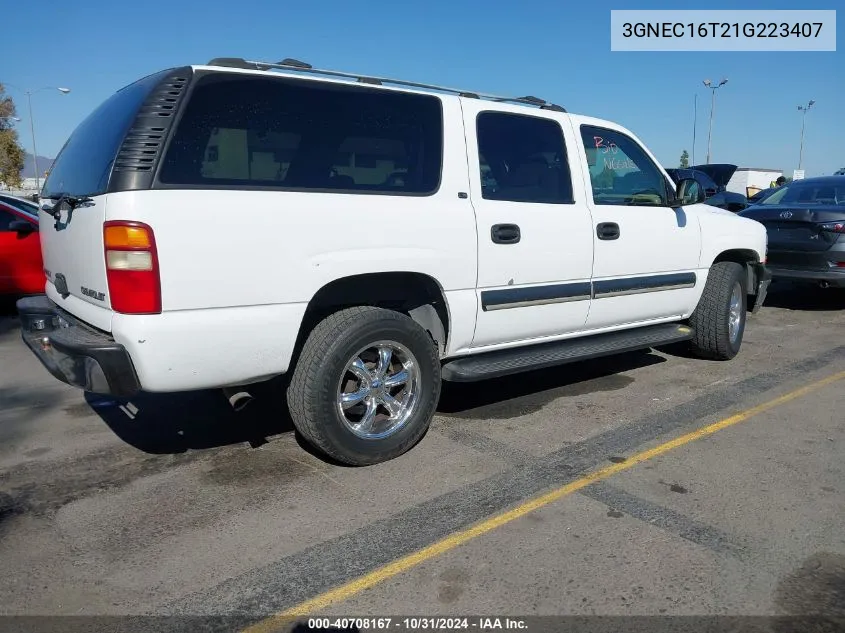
{"x":803,"y":110}
{"x":694,"y":125}
{"x":713,"y":90}
{"x":34,"y":149}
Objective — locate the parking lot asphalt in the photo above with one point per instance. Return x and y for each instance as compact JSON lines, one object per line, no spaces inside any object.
{"x":174,"y":504}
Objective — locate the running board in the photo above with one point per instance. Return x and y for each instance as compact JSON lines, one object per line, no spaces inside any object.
{"x":530,"y":357}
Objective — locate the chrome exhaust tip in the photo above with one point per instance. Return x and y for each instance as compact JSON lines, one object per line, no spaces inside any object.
{"x":238,"y":399}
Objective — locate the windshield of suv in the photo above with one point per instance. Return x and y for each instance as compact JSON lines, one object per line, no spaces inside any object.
{"x":808,"y":194}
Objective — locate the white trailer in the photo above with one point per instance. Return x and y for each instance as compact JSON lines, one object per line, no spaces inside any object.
{"x":749,"y":180}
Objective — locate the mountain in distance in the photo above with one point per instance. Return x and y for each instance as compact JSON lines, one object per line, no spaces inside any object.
{"x":28,"y":170}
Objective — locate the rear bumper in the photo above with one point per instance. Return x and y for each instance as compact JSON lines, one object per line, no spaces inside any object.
{"x":833,"y":277}
{"x":73,"y":352}
{"x":810,"y":266}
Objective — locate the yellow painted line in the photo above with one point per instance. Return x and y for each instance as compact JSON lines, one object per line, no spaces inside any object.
{"x":346,"y":591}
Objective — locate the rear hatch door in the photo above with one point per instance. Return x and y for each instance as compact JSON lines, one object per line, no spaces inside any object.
{"x":74,"y":261}
{"x":73,"y":206}
{"x":721,"y":174}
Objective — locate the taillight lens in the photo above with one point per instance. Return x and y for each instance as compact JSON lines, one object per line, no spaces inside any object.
{"x":834,"y":227}
{"x":132,"y":267}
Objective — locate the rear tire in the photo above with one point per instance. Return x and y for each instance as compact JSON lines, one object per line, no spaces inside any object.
{"x":366,"y":385}
{"x":719,"y":319}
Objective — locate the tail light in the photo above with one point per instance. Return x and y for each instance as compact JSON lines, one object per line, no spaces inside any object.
{"x":834,"y":227}
{"x":132,"y":267}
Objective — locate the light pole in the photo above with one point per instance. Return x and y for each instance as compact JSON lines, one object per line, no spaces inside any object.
{"x":29,"y":94}
{"x":803,"y":110}
{"x":694,"y":125}
{"x":713,"y":89}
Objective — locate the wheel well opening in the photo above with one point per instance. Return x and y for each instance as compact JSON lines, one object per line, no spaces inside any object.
{"x":738,"y":255}
{"x":745,"y":257}
{"x":406,"y":292}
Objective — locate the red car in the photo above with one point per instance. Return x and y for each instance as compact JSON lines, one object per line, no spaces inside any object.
{"x":21,"y":266}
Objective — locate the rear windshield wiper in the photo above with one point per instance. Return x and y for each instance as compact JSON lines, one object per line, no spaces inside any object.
{"x":73,"y":202}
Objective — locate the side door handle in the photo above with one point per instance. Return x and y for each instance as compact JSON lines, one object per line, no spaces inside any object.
{"x":607,"y":231}
{"x":505,"y":233}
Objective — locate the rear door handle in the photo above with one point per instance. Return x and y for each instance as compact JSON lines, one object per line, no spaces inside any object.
{"x":607,"y":231}
{"x":505,"y":233}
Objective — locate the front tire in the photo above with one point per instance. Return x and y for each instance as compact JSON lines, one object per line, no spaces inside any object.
{"x":366,"y":385}
{"x":719,"y":319}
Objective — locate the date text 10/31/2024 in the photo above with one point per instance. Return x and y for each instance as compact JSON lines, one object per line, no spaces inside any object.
{"x":416,"y":624}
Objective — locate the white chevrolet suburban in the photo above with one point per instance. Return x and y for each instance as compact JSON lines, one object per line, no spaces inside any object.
{"x":216,"y":226}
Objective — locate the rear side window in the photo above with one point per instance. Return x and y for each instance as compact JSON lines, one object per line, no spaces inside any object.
{"x":84,"y":165}
{"x":522,"y":159}
{"x":276,"y":133}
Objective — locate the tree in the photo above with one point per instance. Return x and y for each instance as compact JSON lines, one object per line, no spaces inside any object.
{"x":11,"y":152}
{"x":685,"y":159}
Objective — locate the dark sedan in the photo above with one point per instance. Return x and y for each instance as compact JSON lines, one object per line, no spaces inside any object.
{"x":805,"y":221}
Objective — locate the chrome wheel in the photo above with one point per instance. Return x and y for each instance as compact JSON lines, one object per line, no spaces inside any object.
{"x":735,"y":313}
{"x":379,"y":390}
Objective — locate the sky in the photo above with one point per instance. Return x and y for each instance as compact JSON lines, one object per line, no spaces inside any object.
{"x":556,"y":50}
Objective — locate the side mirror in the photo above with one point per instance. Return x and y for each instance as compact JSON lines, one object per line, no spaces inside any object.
{"x":22,"y":227}
{"x":689,"y":191}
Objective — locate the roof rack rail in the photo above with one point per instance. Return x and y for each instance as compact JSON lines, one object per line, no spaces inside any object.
{"x":300,"y":66}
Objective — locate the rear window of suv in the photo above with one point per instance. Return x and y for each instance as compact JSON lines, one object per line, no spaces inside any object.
{"x":259,"y":133}
{"x":84,"y":164}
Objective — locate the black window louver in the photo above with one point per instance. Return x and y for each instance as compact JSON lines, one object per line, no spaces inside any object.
{"x":145,"y":140}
